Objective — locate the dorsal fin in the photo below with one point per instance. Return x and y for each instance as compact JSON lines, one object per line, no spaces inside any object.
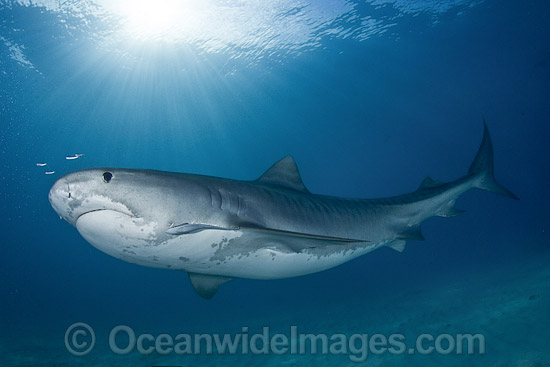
{"x":428,"y":183}
{"x":284,"y":173}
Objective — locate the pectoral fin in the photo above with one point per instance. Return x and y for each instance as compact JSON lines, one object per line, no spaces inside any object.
{"x":187,"y":228}
{"x":317,"y":237}
{"x":206,"y":285}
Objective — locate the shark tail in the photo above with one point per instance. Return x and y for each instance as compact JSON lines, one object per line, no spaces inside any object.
{"x":483,"y":168}
{"x":480,"y":175}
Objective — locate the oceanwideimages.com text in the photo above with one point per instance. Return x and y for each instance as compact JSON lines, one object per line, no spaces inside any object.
{"x":123,"y":340}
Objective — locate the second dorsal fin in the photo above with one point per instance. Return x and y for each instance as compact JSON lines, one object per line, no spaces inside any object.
{"x":284,"y":173}
{"x":429,"y":183}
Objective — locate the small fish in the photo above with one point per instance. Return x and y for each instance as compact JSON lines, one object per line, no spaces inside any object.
{"x":49,"y":172}
{"x":76,"y":156}
{"x":41,"y":164}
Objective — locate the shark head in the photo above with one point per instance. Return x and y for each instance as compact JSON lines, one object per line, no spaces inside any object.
{"x":118,"y":209}
{"x":167,"y":198}
{"x":100,"y":192}
{"x":101,"y":204}
{"x":91,"y":191}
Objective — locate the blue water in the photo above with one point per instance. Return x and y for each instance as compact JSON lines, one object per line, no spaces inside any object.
{"x":368,"y":97}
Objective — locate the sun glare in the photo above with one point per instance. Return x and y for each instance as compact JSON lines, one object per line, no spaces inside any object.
{"x":152,"y":18}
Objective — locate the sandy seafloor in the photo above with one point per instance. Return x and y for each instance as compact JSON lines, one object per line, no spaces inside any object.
{"x":508,"y":305}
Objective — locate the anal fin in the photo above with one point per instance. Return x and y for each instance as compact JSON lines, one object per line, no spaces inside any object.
{"x":450,"y":211}
{"x":411,"y":233}
{"x":207,"y":285}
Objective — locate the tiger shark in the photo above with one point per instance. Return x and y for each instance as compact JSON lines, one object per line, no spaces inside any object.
{"x":217,"y":229}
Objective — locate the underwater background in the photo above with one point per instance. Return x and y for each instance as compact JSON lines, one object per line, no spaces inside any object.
{"x":369,"y":97}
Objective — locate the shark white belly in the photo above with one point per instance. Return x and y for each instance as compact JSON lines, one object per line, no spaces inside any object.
{"x":230,"y":253}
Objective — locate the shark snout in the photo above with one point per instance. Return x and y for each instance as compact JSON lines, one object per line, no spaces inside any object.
{"x":83,"y":192}
{"x":60,"y":198}
{"x":70,"y":197}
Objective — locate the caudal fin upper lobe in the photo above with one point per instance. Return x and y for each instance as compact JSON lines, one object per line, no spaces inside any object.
{"x":483,"y":168}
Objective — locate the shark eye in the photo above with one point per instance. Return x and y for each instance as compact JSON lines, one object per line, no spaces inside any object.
{"x":107,"y":176}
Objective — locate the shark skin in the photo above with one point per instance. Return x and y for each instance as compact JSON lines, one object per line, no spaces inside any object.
{"x":217,"y":229}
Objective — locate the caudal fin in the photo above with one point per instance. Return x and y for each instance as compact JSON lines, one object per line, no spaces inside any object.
{"x":483,"y":167}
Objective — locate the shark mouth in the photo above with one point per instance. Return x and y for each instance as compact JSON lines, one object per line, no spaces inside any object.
{"x":105,"y":211}
{"x":102,"y":218}
{"x":105,"y":227}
